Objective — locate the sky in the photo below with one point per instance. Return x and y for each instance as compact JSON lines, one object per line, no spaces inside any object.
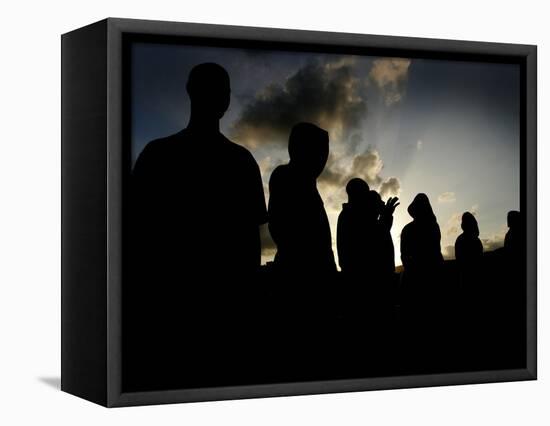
{"x":449,"y":129}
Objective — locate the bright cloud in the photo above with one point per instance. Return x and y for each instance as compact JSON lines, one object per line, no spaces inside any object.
{"x":446,"y":197}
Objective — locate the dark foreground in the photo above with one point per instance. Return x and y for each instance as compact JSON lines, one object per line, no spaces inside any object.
{"x":274,"y":329}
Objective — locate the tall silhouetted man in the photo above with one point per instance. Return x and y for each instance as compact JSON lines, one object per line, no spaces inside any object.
{"x":298,"y":221}
{"x":199,"y":196}
{"x":197,"y":202}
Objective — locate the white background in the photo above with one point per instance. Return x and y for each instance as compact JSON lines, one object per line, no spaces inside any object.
{"x":30,"y":213}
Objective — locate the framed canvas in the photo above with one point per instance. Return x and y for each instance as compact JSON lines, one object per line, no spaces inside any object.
{"x":253,"y":212}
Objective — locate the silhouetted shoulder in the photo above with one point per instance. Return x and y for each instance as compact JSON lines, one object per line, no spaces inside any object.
{"x":279,"y":175}
{"x":240,"y":151}
{"x":407,"y":229}
{"x":154,"y":153}
{"x":184,"y":143}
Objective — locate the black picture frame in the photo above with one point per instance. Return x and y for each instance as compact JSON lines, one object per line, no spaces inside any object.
{"x":95,"y":149}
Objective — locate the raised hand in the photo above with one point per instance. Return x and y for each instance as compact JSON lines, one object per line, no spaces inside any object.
{"x":391,"y":205}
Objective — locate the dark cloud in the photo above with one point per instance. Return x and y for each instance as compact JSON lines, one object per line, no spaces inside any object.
{"x":331,"y":95}
{"x":327,"y":94}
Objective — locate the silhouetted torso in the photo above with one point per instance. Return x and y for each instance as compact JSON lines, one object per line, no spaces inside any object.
{"x":354,"y":237}
{"x":198,"y":204}
{"x":421,"y":247}
{"x":468,"y":250}
{"x":298,"y":223}
{"x":365,"y":247}
{"x":468,"y":247}
{"x":514,"y":240}
{"x":421,"y":243}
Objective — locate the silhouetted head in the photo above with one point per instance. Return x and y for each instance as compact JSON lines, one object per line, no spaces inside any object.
{"x":209,"y":90}
{"x":308,"y":148}
{"x":469,"y":224}
{"x":357,"y":190}
{"x":513,"y":219}
{"x":421,"y":209}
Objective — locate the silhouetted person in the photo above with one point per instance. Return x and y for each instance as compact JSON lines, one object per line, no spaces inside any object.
{"x":354,"y":221}
{"x":304,"y":262}
{"x":473,"y":289}
{"x":421,"y":238}
{"x":421,"y":247}
{"x":514,"y":239}
{"x":365,"y":246}
{"x":511,"y":291}
{"x":365,"y":249}
{"x":298,"y":221}
{"x":424,"y":308}
{"x":196,"y":205}
{"x":199,"y":196}
{"x":468,"y":247}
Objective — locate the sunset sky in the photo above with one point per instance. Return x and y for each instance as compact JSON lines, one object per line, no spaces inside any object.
{"x":446,"y":128}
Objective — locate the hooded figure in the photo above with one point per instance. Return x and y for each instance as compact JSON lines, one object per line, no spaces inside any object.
{"x":298,"y":221}
{"x":468,"y":247}
{"x":355,"y":226}
{"x":421,"y":241}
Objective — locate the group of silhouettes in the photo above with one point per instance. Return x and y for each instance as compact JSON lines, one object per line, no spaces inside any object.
{"x":198,"y":200}
{"x":196,"y":207}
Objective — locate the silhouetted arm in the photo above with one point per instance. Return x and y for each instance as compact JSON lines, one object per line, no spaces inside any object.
{"x":386,"y":217}
{"x":386,"y":221}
